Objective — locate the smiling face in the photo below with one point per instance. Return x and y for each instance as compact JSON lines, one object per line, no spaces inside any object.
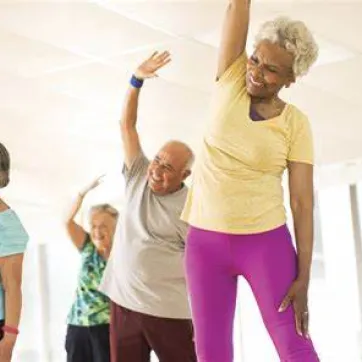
{"x":103,"y":226}
{"x":168,"y":169}
{"x":269,"y":69}
{"x":4,"y":166}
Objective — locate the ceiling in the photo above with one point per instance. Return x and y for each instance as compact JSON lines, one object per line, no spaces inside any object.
{"x":65,"y":65}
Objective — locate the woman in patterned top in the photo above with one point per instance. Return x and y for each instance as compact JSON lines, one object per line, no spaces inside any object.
{"x":87,"y":337}
{"x":13,"y":241}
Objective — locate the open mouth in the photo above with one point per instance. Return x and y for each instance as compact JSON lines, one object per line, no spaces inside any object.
{"x":155,"y":180}
{"x":255,"y":83}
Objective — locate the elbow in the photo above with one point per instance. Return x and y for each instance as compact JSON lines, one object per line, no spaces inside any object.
{"x":14,"y":292}
{"x":127,"y":126}
{"x":124,"y":126}
{"x":128,"y":131}
{"x":69,"y":225}
{"x":302,"y":206}
{"x":13,"y":287}
{"x":68,"y":228}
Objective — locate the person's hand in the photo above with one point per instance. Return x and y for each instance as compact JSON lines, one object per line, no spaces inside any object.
{"x":7,"y":347}
{"x":92,"y":185}
{"x":297,"y":296}
{"x":151,"y":65}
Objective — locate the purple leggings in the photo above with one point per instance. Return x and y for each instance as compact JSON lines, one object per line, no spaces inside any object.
{"x":268,"y":262}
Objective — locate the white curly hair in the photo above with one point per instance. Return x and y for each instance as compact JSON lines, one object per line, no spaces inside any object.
{"x":295,"y":37}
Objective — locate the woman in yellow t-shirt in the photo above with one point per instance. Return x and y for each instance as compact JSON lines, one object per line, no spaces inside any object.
{"x":235,"y":205}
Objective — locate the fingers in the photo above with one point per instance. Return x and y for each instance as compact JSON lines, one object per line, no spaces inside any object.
{"x":160,"y":59}
{"x":156,"y":61}
{"x":154,"y":54}
{"x":285,"y":304}
{"x":163,"y":59}
{"x":298,"y":298}
{"x":94,"y":184}
{"x":305,"y":324}
{"x":160,"y":56}
{"x":100,"y":179}
{"x":298,"y":322}
{"x":301,"y":320}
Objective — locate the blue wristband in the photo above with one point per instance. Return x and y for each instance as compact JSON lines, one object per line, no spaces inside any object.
{"x":135,"y":82}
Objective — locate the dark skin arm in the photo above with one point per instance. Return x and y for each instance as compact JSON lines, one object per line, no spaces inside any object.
{"x":302,"y":204}
{"x":234,"y":34}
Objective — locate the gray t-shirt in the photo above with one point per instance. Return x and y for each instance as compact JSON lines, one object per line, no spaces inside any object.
{"x":145,"y":271}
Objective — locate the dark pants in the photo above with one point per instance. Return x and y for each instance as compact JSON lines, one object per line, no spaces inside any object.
{"x":134,"y":335}
{"x":2,"y":323}
{"x":88,"y":344}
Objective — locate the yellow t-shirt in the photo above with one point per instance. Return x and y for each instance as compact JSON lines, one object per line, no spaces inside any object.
{"x":237,"y":181}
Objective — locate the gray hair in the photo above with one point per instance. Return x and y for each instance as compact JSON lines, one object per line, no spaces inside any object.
{"x":191,"y":157}
{"x":190,"y":161}
{"x":190,"y":154}
{"x":295,"y":37}
{"x":107,"y":208}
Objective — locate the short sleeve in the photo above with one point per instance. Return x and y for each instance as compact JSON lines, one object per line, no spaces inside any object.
{"x":13,"y":236}
{"x":301,"y":142}
{"x":183,"y":228}
{"x":236,"y":73}
{"x":138,"y":168}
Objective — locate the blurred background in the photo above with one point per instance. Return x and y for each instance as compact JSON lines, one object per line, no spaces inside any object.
{"x":64,"y":68}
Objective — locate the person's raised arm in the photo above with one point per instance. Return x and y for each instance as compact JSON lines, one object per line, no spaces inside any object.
{"x":130,"y":138}
{"x":76,"y":233}
{"x":234,"y":34}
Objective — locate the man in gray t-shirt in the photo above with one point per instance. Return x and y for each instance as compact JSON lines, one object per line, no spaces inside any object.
{"x":144,"y":277}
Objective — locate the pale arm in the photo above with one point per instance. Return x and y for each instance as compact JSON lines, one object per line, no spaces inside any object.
{"x":130,"y":138}
{"x":131,"y":143}
{"x":76,"y":233}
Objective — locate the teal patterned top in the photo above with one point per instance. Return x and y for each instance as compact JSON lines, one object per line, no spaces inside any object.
{"x":91,"y":307}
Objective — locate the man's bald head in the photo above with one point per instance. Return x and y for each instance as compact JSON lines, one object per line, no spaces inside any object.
{"x":171,"y":166}
{"x":183,"y":150}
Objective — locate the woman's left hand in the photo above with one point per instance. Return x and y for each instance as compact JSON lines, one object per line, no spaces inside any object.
{"x":6,"y":347}
{"x":92,"y":185}
{"x":297,"y":296}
